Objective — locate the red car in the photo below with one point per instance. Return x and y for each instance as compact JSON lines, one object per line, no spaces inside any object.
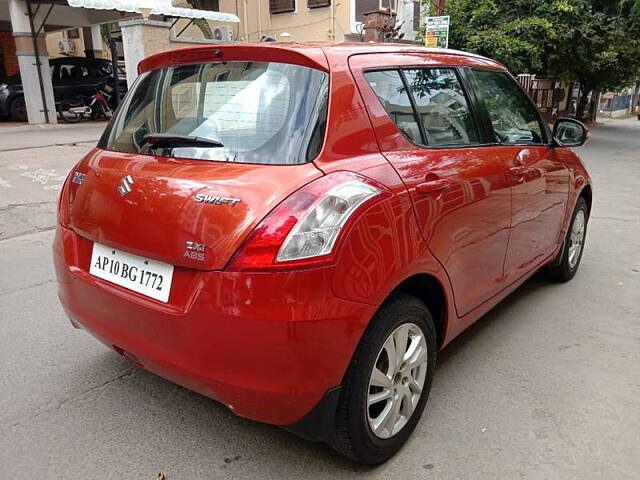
{"x":296,"y":230}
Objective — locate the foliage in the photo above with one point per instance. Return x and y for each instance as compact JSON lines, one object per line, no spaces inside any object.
{"x":105,"y":32}
{"x":602,"y":50}
{"x":595,"y":42}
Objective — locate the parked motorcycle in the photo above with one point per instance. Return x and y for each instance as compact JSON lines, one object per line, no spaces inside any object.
{"x":100,"y":105}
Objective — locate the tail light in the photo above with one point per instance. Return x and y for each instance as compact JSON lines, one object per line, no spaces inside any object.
{"x":69,"y":189}
{"x":64,"y":201}
{"x":305,"y":228}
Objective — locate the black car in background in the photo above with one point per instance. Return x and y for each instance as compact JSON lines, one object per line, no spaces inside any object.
{"x":71,"y":77}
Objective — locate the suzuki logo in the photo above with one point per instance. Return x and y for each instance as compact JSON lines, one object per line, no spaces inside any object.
{"x":78,"y":178}
{"x":125,"y":185}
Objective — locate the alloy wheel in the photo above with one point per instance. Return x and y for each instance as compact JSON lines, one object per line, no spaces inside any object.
{"x":397,"y":380}
{"x":576,"y":238}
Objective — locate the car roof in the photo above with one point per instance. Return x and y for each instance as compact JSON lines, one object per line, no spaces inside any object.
{"x":361,"y":48}
{"x":313,"y":54}
{"x":78,"y":60}
{"x":377,"y":47}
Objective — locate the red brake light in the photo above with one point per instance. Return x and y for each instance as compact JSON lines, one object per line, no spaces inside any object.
{"x":194,"y":55}
{"x":305,"y":228}
{"x":64,"y":201}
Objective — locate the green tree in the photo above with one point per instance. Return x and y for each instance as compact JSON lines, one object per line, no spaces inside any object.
{"x":594,"y":42}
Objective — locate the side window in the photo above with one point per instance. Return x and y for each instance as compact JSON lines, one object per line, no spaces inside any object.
{"x":514,"y":118}
{"x":442,"y":106}
{"x":67,"y":73}
{"x":390,"y":89}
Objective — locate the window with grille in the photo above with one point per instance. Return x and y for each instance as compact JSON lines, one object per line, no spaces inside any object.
{"x":212,"y":5}
{"x":282,"y":6}
{"x":318,"y":3}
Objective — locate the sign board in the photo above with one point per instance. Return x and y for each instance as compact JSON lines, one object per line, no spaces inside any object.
{"x":437,"y":32}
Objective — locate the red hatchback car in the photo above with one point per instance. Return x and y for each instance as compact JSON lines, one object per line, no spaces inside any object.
{"x":296,"y":230}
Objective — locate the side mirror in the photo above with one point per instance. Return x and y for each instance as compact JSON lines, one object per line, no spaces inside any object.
{"x":569,"y":132}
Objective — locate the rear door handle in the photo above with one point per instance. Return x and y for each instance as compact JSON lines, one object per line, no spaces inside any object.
{"x":434,"y":186}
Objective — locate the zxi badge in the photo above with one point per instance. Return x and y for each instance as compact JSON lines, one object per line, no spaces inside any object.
{"x":125,"y":185}
{"x":195,"y":251}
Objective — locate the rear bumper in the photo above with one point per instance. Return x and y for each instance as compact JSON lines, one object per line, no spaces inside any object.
{"x":266,"y":345}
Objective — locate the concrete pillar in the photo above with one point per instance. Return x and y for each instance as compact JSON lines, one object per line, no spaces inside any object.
{"x":92,"y":41}
{"x":26,"y":54}
{"x":140,"y":38}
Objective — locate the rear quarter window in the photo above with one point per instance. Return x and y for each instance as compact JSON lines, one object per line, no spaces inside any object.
{"x":428,"y":105}
{"x":442,"y":106}
{"x":390,"y":89}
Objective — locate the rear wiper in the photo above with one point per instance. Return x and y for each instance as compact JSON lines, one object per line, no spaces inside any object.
{"x":176,"y":140}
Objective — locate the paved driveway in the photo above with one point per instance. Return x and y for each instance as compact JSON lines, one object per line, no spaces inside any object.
{"x":546,"y":386}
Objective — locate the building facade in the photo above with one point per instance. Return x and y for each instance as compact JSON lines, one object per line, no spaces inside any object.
{"x":284,"y":20}
{"x":305,"y":20}
{"x":73,"y":28}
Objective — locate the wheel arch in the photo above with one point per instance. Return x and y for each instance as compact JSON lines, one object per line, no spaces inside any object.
{"x":318,"y":424}
{"x":587,"y":194}
{"x":429,"y":290}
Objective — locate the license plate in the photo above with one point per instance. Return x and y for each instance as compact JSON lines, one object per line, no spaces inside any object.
{"x":142,"y":275}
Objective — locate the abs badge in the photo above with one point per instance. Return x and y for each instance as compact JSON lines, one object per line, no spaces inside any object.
{"x":195,"y":251}
{"x":125,"y":185}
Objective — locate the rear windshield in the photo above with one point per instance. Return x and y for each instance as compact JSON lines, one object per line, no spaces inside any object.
{"x":246,"y":112}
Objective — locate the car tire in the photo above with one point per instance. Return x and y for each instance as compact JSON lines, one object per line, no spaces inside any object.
{"x":356,"y":418}
{"x":565,"y":265}
{"x":18,"y":109}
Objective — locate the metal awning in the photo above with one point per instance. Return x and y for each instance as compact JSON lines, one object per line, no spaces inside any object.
{"x":158,"y":7}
